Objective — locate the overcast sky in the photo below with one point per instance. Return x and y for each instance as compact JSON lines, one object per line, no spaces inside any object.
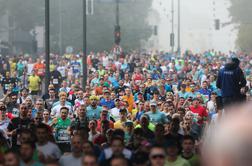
{"x":197,"y":25}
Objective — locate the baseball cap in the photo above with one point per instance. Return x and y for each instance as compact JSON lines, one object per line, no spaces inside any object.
{"x":93,"y":97}
{"x":153,"y":103}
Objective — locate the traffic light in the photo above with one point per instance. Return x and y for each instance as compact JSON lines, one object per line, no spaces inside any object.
{"x":217,"y":24}
{"x":155,"y":30}
{"x":117,"y":34}
{"x":172,"y":40}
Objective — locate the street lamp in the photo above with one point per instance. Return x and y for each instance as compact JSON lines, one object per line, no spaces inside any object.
{"x":117,"y":31}
{"x":172,"y":36}
{"x":84,"y":57}
{"x":179,"y":47}
{"x":47,"y":43}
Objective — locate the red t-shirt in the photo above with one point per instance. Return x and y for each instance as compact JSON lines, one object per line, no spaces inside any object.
{"x":100,"y":139}
{"x":200,"y":111}
{"x":111,"y":125}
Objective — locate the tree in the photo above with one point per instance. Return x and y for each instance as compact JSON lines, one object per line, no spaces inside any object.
{"x":240,"y":11}
{"x":100,"y":26}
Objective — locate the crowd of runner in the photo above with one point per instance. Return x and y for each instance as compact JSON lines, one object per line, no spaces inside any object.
{"x":140,"y":108}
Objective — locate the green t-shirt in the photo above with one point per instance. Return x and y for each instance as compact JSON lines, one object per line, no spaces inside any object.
{"x":61,"y":129}
{"x":194,"y":160}
{"x":179,"y":162}
{"x":150,"y":126}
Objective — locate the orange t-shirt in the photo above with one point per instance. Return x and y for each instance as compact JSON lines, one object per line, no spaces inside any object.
{"x":130,"y":101}
{"x":99,"y":90}
{"x":39,"y":69}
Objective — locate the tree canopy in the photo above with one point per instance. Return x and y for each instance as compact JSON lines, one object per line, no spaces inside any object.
{"x":100,"y":26}
{"x":240,"y":11}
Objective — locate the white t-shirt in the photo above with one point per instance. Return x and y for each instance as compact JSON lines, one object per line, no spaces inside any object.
{"x":164,"y":69}
{"x":68,"y":160}
{"x":50,"y":149}
{"x":105,"y":60}
{"x":62,"y":70}
{"x":114,"y":112}
{"x":29,"y":68}
{"x":211,"y":106}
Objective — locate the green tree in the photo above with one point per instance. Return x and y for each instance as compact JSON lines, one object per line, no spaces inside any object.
{"x":240,"y":11}
{"x":27,"y":14}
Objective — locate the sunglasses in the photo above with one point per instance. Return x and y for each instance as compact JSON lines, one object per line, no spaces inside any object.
{"x":158,"y":156}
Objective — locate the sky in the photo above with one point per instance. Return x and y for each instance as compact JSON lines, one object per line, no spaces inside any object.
{"x":197,"y":25}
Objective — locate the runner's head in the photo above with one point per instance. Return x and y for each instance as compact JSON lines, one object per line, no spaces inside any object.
{"x":64,"y":112}
{"x":26,"y":151}
{"x":23,"y":110}
{"x":76,"y":144}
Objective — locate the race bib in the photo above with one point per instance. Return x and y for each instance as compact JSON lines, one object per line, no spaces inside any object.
{"x":40,"y":71}
{"x":15,"y":113}
{"x":138,"y":82}
{"x":55,"y":81}
{"x":6,"y":86}
{"x":63,"y":135}
{"x":206,"y":97}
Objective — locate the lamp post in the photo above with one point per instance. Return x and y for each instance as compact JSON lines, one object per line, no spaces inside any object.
{"x":117,"y":31}
{"x":47,"y":43}
{"x":172,"y":36}
{"x":84,"y":57}
{"x":179,"y":47}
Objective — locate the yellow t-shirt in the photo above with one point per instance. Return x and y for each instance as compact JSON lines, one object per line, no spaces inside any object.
{"x":134,"y":112}
{"x":34,"y":82}
{"x":52,"y":67}
{"x":13,"y":66}
{"x":119,"y":124}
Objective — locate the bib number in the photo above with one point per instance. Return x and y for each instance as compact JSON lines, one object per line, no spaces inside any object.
{"x":55,"y":81}
{"x":63,"y":135}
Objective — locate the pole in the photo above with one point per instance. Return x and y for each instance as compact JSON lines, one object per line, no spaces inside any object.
{"x":172,"y":22}
{"x":60,"y":27}
{"x":84,"y":58}
{"x":117,"y":13}
{"x":47,"y":43}
{"x":179,"y":49}
{"x":117,"y":30}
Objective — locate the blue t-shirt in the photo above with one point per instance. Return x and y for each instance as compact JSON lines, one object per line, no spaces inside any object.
{"x":139,"y":114}
{"x":76,"y":66}
{"x":184,"y":95}
{"x":93,"y":113}
{"x":110,"y":104}
{"x":113,"y":81}
{"x":157,"y":117}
